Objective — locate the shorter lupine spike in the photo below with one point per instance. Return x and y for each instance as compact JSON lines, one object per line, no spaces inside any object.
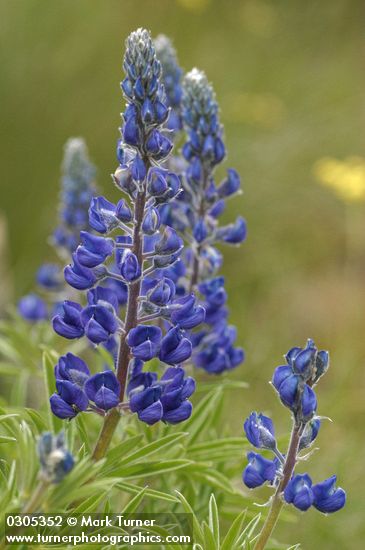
{"x":56,"y":461}
{"x":293,"y":382}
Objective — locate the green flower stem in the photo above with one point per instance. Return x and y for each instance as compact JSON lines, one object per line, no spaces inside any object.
{"x":37,"y":497}
{"x":277,"y":501}
{"x":196,"y":263}
{"x":112,"y":419}
{"x":108,"y":428}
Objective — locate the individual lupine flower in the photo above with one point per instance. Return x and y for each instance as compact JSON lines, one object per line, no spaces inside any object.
{"x":103,"y":389}
{"x":79,"y":276}
{"x":175,"y":348}
{"x":99,"y":323}
{"x":162,"y":292}
{"x":214,"y":350}
{"x":72,"y":368}
{"x":171,"y":78}
{"x":165,"y":399}
{"x":104,"y":216}
{"x":102,"y":295}
{"x":129,"y":266}
{"x":185,"y":312}
{"x":145,"y":341}
{"x":299,"y":492}
{"x":259,"y":470}
{"x":310,"y":433}
{"x":49,"y":277}
{"x":176,"y":391}
{"x":327,"y":497}
{"x":68,"y":322}
{"x":69,"y":400}
{"x":93,"y":250}
{"x":56,"y":461}
{"x":32,"y":308}
{"x":259,"y":431}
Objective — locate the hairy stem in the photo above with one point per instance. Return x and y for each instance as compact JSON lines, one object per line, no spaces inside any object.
{"x":37,"y":497}
{"x":111,"y":421}
{"x":196,"y":262}
{"x":277,"y":502}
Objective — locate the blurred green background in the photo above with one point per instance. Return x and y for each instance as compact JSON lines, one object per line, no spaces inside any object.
{"x":289,"y":77}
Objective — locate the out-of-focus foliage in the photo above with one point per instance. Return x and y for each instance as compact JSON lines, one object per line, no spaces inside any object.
{"x":289,"y":77}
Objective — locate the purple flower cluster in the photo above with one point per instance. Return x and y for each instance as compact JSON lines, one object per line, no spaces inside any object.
{"x":163,"y":399}
{"x":133,"y":260}
{"x":293,"y":382}
{"x":78,"y":391}
{"x":195,"y":215}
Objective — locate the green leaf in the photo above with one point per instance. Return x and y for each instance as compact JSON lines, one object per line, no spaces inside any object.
{"x":249,"y":530}
{"x":147,"y":450}
{"x":198,"y":532}
{"x":214,"y":518}
{"x":37,"y":419}
{"x":202,"y":413}
{"x":82,"y":431}
{"x":49,"y":380}
{"x":209,"y":542}
{"x":89,"y":505}
{"x":233,"y":533}
{"x":151,"y":493}
{"x":135,"y":502}
{"x":147,"y":469}
{"x":6,"y":439}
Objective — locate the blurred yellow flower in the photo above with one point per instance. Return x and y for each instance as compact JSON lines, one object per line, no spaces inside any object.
{"x":346,"y":178}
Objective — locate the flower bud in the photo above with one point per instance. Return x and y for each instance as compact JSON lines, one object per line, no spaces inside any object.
{"x":129,"y":266}
{"x":259,"y":431}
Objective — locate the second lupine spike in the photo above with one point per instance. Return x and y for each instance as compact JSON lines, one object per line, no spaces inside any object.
{"x":195,"y":215}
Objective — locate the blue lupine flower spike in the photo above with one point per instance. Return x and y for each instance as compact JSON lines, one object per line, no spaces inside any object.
{"x":77,"y":189}
{"x":293,"y":382}
{"x":129,"y":264}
